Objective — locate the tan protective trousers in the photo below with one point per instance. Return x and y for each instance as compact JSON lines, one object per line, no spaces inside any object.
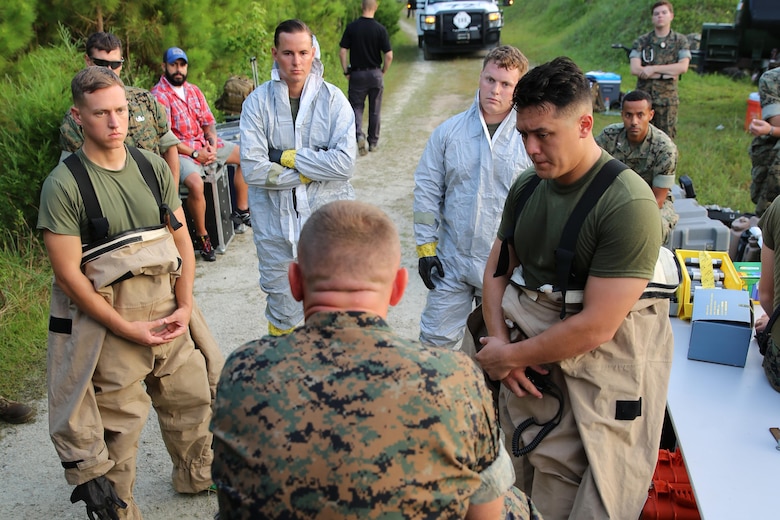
{"x":101,"y":385}
{"x":592,"y":465}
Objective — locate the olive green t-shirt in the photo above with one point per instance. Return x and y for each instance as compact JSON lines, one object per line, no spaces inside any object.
{"x":770,"y":232}
{"x":619,"y":238}
{"x":124,"y":197}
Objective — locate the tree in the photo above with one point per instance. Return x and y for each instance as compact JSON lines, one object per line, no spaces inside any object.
{"x":16,"y":29}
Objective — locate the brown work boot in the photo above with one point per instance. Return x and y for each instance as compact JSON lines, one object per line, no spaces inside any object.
{"x":13,"y":412}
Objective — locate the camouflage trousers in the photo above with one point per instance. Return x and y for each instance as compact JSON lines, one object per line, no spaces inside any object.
{"x":765,"y":158}
{"x":772,"y":364}
{"x":665,"y":119}
{"x":669,"y":219}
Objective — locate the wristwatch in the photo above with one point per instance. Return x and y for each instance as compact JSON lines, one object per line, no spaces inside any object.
{"x":194,"y":154}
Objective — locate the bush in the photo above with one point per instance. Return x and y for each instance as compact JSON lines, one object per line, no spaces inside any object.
{"x":33,"y":102}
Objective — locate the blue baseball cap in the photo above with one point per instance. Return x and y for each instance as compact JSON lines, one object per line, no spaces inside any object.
{"x":173,"y":54}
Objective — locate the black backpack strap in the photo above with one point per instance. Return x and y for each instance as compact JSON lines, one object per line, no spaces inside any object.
{"x":97,"y":224}
{"x":564,"y":254}
{"x":151,"y":179}
{"x":503,"y":258}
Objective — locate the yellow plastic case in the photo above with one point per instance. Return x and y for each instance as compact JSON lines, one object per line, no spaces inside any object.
{"x":731,"y":279}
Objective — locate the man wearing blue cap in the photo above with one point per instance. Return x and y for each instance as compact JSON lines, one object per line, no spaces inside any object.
{"x":193,"y":123}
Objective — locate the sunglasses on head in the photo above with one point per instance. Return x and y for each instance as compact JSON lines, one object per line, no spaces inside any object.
{"x":106,"y":63}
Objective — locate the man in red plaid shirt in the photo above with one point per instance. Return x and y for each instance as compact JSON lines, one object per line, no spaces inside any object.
{"x":193,"y":123}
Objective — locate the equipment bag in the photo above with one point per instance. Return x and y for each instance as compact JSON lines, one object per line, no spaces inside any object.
{"x":235,"y":91}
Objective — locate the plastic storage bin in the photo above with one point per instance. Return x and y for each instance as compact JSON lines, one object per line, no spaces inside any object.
{"x":697,"y":231}
{"x":609,"y":86}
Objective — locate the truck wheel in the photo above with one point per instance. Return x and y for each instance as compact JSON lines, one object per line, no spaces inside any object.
{"x":427,"y":54}
{"x":419,"y":42}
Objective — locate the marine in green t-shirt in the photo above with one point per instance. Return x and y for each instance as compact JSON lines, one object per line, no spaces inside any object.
{"x":610,"y":356}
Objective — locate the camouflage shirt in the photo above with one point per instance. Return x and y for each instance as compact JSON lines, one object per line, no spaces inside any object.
{"x":344,"y":419}
{"x":654,"y":50}
{"x":655,"y":159}
{"x":764,"y":149}
{"x":148,"y":127}
{"x":769,"y":93}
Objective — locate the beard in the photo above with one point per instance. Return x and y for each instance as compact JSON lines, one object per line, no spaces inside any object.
{"x":177,"y":80}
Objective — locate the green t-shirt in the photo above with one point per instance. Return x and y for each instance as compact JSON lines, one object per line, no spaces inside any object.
{"x":770,"y":232}
{"x":125,"y":198}
{"x":619,"y":238}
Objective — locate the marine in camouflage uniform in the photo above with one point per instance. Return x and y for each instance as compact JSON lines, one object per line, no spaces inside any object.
{"x":765,"y":149}
{"x":344,"y":419}
{"x":654,"y":50}
{"x":148,"y":128}
{"x":655,"y":160}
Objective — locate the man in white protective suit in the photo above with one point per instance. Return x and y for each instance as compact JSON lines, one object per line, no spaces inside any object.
{"x":298,"y":152}
{"x":461,"y":184}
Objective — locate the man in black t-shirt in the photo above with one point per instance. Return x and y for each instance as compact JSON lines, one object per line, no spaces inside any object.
{"x":370,"y":56}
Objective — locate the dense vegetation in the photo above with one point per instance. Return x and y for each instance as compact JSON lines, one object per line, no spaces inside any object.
{"x":41,"y":47}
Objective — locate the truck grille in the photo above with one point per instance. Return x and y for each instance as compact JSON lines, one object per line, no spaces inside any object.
{"x":456,"y":22}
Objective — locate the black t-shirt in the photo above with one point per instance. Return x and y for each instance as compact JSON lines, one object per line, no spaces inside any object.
{"x":367,"y":41}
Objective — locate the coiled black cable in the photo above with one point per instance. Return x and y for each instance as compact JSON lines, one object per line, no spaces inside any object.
{"x":547,"y":387}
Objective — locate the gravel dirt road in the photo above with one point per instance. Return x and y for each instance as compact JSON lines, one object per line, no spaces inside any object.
{"x":227,"y":290}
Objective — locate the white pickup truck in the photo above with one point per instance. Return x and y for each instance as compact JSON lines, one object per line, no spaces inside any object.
{"x":458,"y":26}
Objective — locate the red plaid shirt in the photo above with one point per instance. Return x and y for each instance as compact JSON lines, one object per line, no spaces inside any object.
{"x":186,"y":118}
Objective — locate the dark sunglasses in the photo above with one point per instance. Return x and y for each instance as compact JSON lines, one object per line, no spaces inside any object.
{"x":105,"y":63}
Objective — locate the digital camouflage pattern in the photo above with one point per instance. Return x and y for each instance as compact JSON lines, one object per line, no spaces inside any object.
{"x":765,"y":150}
{"x":344,"y":419}
{"x":655,"y":160}
{"x":772,"y":364}
{"x":654,"y":50}
{"x":148,"y":128}
{"x":665,"y":119}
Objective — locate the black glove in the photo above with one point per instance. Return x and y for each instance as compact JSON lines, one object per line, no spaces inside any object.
{"x":100,"y":497}
{"x":275,"y":155}
{"x":425,"y":266}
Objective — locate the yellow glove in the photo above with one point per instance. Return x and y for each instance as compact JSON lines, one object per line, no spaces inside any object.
{"x":304,"y":179}
{"x":428,"y":249}
{"x":288,"y":159}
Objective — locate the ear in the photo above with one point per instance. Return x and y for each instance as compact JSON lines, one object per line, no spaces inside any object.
{"x":296,"y":280}
{"x":273,"y":53}
{"x":76,"y":115}
{"x":399,"y":286}
{"x":586,"y":125}
{"x":87,"y":60}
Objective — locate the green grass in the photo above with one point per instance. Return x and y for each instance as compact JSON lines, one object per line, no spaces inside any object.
{"x":25,"y":278}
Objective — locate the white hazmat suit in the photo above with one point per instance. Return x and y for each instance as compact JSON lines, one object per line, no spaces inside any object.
{"x":461,"y":184}
{"x":280,"y":201}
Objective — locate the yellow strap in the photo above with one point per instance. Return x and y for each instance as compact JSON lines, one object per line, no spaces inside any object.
{"x":304,"y":179}
{"x":288,"y":159}
{"x":428,"y":249}
{"x":707,"y":276}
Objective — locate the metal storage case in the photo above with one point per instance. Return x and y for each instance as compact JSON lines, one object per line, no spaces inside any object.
{"x":216,"y":190}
